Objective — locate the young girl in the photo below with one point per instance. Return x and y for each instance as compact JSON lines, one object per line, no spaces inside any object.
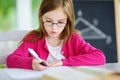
{"x":55,"y":41}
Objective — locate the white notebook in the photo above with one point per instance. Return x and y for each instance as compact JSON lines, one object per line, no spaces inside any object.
{"x":24,"y":74}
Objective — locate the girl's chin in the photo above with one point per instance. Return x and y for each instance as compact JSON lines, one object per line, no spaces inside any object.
{"x":53,"y":35}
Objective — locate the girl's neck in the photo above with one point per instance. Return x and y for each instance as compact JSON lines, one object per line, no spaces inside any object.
{"x":53,"y":41}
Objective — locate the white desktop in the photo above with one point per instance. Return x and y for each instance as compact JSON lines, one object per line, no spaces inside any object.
{"x":25,"y":74}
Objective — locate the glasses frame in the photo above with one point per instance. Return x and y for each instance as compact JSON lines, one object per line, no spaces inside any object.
{"x":50,"y":24}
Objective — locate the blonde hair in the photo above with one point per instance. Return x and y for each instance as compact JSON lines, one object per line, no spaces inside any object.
{"x":49,"y":5}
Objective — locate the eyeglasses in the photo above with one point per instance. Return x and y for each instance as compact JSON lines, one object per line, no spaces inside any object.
{"x":50,"y":24}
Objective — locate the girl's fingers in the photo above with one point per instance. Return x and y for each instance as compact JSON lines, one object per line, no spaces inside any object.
{"x":46,"y":62}
{"x":37,"y":66}
{"x":58,"y":63}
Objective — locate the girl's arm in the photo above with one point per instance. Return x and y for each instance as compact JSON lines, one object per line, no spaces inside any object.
{"x":20,"y":57}
{"x":84,"y":54}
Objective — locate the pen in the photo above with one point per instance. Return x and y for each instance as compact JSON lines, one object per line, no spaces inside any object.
{"x":34,"y":54}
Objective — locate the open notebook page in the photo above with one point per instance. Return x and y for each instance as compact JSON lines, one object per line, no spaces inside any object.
{"x":24,"y":74}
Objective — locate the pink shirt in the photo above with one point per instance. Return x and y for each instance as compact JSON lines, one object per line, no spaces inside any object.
{"x":76,"y":52}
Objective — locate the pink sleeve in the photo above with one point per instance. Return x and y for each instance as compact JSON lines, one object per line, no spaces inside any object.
{"x":84,"y":54}
{"x":20,"y":57}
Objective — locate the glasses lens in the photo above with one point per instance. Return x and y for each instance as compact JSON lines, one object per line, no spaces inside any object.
{"x":61,"y":24}
{"x":48,"y":24}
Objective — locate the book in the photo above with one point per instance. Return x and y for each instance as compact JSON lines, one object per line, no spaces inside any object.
{"x":109,"y":76}
{"x":78,"y":73}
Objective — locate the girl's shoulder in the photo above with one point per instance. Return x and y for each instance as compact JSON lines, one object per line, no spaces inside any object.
{"x":75,"y":35}
{"x":29,"y":37}
{"x":32,"y":36}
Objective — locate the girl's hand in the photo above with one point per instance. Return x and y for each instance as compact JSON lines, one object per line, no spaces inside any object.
{"x":57,"y":63}
{"x":37,"y":66}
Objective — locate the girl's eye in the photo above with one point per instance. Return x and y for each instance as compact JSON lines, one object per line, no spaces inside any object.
{"x":60,"y":22}
{"x":48,"y":21}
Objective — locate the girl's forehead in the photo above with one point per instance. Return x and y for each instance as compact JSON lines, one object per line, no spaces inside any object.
{"x":56,"y":14}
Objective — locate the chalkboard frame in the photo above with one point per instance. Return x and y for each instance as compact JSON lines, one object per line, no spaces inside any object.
{"x":117,"y":19}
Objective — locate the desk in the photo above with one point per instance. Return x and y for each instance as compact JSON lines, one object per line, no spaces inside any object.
{"x":110,"y":66}
{"x":113,"y":66}
{"x":5,"y":76}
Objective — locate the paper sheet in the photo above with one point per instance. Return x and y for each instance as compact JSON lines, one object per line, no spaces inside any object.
{"x":24,"y":74}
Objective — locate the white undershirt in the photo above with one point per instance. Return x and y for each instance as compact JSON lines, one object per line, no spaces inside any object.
{"x":54,"y":52}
